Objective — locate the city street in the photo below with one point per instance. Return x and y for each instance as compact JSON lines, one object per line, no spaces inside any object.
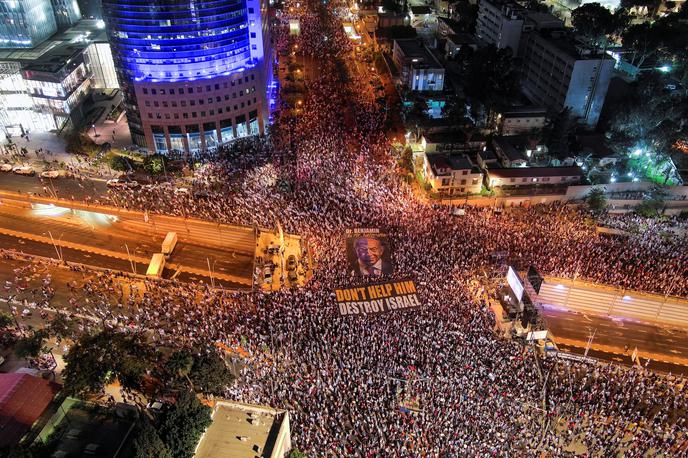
{"x":112,"y":241}
{"x":616,"y":339}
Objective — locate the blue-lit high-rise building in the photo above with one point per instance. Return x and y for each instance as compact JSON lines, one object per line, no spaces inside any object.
{"x":195,"y":72}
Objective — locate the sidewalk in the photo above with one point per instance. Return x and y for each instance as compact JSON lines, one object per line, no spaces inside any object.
{"x":53,"y":155}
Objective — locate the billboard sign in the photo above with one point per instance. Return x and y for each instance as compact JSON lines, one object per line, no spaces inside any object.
{"x":377,"y":298}
{"x":514,"y":283}
{"x":368,"y":252}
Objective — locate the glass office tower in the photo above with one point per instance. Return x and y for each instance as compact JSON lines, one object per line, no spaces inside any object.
{"x":193,"y":71}
{"x":67,"y":13}
{"x":25,"y":23}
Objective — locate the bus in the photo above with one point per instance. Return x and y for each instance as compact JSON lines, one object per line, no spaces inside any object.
{"x":156,"y":266}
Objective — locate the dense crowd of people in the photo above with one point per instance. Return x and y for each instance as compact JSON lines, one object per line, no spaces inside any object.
{"x":434,"y":381}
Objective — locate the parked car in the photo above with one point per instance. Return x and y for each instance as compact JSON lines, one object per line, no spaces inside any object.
{"x":291,"y":263}
{"x":122,"y":183}
{"x":267,"y":274}
{"x":6,"y":167}
{"x":50,"y":174}
{"x":24,"y":170}
{"x":181,"y":191}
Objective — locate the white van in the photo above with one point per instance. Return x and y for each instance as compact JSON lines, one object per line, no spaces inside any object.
{"x":156,"y":266}
{"x":169,"y":243}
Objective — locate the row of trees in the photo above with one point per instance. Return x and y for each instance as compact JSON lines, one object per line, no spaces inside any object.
{"x":96,"y":360}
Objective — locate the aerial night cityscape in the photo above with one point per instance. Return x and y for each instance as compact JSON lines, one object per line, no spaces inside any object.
{"x":343,"y":228}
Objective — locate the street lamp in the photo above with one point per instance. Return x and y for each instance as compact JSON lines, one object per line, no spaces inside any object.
{"x":133,"y":266}
{"x":210,"y":271}
{"x":58,"y":252}
{"x":95,"y":132}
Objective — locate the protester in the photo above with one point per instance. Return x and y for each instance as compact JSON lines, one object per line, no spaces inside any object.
{"x":434,"y":381}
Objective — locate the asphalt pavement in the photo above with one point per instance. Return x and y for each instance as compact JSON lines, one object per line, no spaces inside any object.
{"x":616,"y":339}
{"x":65,"y":187}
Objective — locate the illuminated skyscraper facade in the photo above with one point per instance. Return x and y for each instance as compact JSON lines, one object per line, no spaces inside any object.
{"x":194,"y":73}
{"x":25,"y":23}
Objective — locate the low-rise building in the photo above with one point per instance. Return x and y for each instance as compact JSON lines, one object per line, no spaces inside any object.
{"x":508,"y":153}
{"x":521,"y":120}
{"x":486,"y":158}
{"x":243,"y":430}
{"x":23,"y":399}
{"x":453,"y":141}
{"x":419,"y":69}
{"x":390,"y":19}
{"x":451,"y":174}
{"x":533,"y":177}
{"x":456,"y":41}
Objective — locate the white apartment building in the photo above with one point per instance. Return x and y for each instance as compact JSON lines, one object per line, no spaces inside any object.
{"x":558,"y":72}
{"x":500,"y":24}
{"x":451,"y":174}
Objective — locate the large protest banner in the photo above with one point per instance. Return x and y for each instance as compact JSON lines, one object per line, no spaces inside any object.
{"x":377,"y":298}
{"x":368,"y":252}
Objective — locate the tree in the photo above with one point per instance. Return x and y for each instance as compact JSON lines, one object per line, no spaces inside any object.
{"x":649,"y":208}
{"x":180,"y":363}
{"x":155,"y":164}
{"x":596,"y":200}
{"x":592,"y":20}
{"x":119,"y":163}
{"x":454,"y":110}
{"x":649,"y":122}
{"x":5,"y":320}
{"x":78,"y":143}
{"x":490,"y":78}
{"x":61,"y":326}
{"x":392,"y":6}
{"x":468,"y":16}
{"x":644,"y":39}
{"x":147,"y":443}
{"x":416,"y":113}
{"x":210,"y":374}
{"x":596,"y":22}
{"x":31,"y":345}
{"x":95,"y":360}
{"x":183,"y":424}
{"x":557,"y":133}
{"x":296,"y":453}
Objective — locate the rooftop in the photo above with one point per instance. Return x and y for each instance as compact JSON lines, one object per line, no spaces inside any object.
{"x":23,"y":399}
{"x":418,"y":10}
{"x":418,"y":53}
{"x":524,"y":172}
{"x":461,"y":38}
{"x":568,"y":45}
{"x":240,"y":431}
{"x":53,"y":54}
{"x":543,"y":20}
{"x":440,"y":161}
{"x":519,"y":112}
{"x":452,"y":136}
